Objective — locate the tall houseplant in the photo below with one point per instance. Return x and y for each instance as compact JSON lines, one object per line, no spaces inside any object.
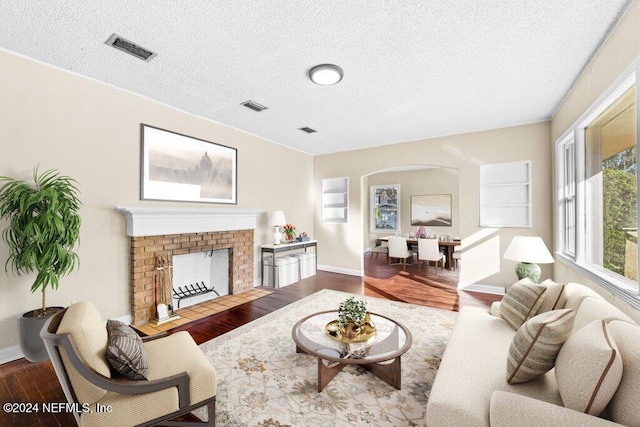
{"x":42,"y":234}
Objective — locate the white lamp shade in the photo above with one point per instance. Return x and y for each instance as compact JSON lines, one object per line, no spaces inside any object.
{"x":528,"y":249}
{"x":277,"y":218}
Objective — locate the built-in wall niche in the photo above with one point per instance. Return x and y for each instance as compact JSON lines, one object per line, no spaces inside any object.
{"x":335,"y":200}
{"x":505,"y":195}
{"x":195,"y":271}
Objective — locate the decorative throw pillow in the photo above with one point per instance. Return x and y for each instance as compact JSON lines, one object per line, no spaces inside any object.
{"x":535,"y":346}
{"x":623,"y":407}
{"x":521,"y":302}
{"x":589,"y":369}
{"x":552,"y":297}
{"x":125,"y":351}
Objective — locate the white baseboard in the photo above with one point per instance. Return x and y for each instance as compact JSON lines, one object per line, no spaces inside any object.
{"x":9,"y":354}
{"x":126,"y":319}
{"x":341,"y":270}
{"x":483,"y":289}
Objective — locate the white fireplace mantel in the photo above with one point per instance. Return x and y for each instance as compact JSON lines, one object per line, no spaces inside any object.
{"x":157,"y":221}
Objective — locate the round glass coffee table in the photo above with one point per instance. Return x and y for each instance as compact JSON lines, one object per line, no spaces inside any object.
{"x":391,"y":340}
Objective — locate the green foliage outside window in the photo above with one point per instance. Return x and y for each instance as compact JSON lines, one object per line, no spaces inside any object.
{"x":619,"y":208}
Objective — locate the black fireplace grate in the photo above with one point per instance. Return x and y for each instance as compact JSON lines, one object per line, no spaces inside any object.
{"x":189,"y":291}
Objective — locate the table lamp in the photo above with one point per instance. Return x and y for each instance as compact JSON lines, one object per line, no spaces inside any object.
{"x":276,"y":220}
{"x":528,"y":250}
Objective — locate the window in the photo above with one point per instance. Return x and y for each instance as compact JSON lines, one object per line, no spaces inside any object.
{"x":566,"y":155}
{"x":611,"y":185}
{"x":385,"y":207}
{"x":597,"y":187}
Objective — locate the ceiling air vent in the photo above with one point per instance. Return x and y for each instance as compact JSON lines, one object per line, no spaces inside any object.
{"x":130,"y":47}
{"x":252,"y":105}
{"x":308,"y":130}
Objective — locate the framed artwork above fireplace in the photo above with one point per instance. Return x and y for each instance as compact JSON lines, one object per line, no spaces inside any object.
{"x":178,"y":167}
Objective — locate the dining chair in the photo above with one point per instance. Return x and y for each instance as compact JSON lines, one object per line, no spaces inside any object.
{"x":398,"y":250}
{"x":456,"y":257}
{"x":380,"y":248}
{"x":429,"y":250}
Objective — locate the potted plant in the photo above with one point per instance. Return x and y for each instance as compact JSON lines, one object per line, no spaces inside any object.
{"x":354,"y":321}
{"x":42,"y":233}
{"x":352,"y":311}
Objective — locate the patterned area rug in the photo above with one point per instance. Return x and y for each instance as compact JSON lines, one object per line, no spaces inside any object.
{"x":263,"y":382}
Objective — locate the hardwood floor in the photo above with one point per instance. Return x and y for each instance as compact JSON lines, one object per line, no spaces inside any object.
{"x":22,"y":381}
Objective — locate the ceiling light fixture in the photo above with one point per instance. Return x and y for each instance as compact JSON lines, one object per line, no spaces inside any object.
{"x":326,"y":74}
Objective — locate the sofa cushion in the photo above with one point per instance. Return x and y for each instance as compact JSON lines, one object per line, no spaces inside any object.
{"x":472,"y":367}
{"x":624,"y":407}
{"x":495,"y":308}
{"x":589,"y":369}
{"x":84,"y":323}
{"x":509,"y":409}
{"x":574,"y":293}
{"x":168,"y":356}
{"x":125,"y":351}
{"x":553,"y":297}
{"x":535,"y":346}
{"x":597,"y":308}
{"x":521,"y":303}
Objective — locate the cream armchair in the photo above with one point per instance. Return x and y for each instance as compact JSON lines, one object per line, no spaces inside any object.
{"x":180,"y":379}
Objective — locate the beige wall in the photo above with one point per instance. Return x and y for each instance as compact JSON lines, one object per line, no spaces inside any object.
{"x":619,"y":51}
{"x":91,"y":131}
{"x":342,"y":244}
{"x":415,"y":183}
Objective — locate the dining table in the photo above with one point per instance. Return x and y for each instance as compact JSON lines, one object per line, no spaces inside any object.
{"x":447,"y":245}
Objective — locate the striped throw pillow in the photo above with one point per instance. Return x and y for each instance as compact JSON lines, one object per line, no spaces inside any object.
{"x":553,"y":297}
{"x":535,"y":346}
{"x":125,"y":351}
{"x":521,"y":303}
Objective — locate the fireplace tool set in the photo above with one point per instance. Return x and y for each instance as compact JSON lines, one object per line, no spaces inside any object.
{"x":163,"y":283}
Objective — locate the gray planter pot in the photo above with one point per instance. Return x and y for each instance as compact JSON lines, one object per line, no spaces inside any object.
{"x":31,"y":344}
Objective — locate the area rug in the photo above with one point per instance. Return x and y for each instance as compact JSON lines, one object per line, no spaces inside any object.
{"x":262,"y":381}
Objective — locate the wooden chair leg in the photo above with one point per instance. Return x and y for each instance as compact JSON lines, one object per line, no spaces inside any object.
{"x":211,"y":413}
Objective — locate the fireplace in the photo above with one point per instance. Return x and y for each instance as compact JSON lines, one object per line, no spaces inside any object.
{"x":199,"y":277}
{"x":171,"y":232}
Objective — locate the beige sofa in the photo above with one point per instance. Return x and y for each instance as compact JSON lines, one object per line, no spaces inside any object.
{"x":471,"y":389}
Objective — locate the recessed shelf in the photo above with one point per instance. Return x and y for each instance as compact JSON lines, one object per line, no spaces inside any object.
{"x":505,"y":195}
{"x":335,"y":200}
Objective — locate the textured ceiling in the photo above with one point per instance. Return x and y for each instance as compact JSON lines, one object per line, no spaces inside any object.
{"x":413,"y":69}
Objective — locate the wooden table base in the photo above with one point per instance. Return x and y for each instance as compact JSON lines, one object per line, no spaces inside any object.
{"x":390,"y":373}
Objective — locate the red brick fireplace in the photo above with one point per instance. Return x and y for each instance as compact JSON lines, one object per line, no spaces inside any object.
{"x":176,"y":231}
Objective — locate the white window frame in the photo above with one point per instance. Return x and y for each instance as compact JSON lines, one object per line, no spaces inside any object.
{"x":575,"y":135}
{"x":566,"y":197}
{"x":372,"y":208}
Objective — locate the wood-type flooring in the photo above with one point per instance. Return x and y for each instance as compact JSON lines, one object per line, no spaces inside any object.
{"x":22,"y":381}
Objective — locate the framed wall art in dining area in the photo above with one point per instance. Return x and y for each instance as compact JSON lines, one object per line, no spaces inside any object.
{"x":178,"y":167}
{"x":431,"y":210}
